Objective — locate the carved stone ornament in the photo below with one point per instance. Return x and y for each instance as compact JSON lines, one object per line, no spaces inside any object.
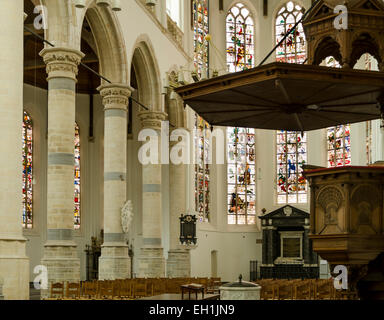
{"x":152,"y":119}
{"x":62,"y":62}
{"x":330,"y":199}
{"x":126,"y":216}
{"x":115,"y":96}
{"x":365,"y":199}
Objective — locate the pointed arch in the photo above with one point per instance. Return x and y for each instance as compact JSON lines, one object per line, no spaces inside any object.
{"x":110,"y":45}
{"x":147,"y":72}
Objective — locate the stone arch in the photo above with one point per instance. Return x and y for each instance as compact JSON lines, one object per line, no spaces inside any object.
{"x":110,"y":44}
{"x":326,"y":47}
{"x":65,"y":26}
{"x":364,"y":43}
{"x":147,"y":72}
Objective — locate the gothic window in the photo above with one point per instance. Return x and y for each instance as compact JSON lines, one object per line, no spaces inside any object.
{"x":201,"y":30}
{"x":241,"y":176}
{"x":293,"y":49}
{"x":77,"y":179}
{"x":202,"y":170}
{"x":339,"y":146}
{"x":27,"y":171}
{"x":240,"y":39}
{"x":291,"y":154}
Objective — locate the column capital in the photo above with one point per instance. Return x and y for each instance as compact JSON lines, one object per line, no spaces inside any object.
{"x":152,"y":119}
{"x":115,"y":95}
{"x":62,"y":62}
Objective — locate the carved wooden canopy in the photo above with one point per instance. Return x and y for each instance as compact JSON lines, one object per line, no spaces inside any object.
{"x":364,"y":33}
{"x":284,"y":96}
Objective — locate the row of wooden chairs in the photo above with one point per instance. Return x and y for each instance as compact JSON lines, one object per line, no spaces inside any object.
{"x":310,"y":289}
{"x":128,"y":288}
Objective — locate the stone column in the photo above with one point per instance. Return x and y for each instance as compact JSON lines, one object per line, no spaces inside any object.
{"x":151,"y":260}
{"x":179,"y":259}
{"x":114,"y":262}
{"x":60,"y":250}
{"x":14,"y":264}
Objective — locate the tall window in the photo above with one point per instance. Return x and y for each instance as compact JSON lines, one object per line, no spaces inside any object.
{"x":241,"y":176}
{"x":339,"y":146}
{"x":174,"y":10}
{"x":27,"y":171}
{"x":240,"y":39}
{"x":77,"y":178}
{"x":202,"y":171}
{"x":201,"y":30}
{"x":291,"y":156}
{"x":368,"y":141}
{"x":293,"y":49}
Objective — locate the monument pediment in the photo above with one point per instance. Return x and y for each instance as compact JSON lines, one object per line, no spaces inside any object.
{"x":286,"y":212}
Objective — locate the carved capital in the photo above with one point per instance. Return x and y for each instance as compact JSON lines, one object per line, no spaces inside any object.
{"x":115,"y":96}
{"x":62,"y":62}
{"x":152,"y":119}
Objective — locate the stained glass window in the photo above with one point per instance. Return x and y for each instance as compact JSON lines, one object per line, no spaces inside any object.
{"x":240,"y":39}
{"x":201,"y":30}
{"x":202,"y":170}
{"x":339,"y":146}
{"x":291,"y":154}
{"x":293,"y":49}
{"x":77,"y":178}
{"x":241,"y":176}
{"x":27,"y":171}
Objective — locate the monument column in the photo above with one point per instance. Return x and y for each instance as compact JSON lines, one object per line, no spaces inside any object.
{"x":179,"y":259}
{"x":60,"y":250}
{"x":151,"y":260}
{"x":114,"y":262}
{"x":14,"y":264}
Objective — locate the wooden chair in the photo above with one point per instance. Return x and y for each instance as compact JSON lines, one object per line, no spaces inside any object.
{"x":324,"y":290}
{"x":159,"y":286}
{"x":104,"y":289}
{"x":213,"y":285}
{"x":126,"y":289}
{"x":139,"y":288}
{"x":173,"y":286}
{"x":73,"y":290}
{"x":268,"y":290}
{"x":57,"y":290}
{"x":285,"y":290}
{"x":302,"y":290}
{"x":89,"y":290}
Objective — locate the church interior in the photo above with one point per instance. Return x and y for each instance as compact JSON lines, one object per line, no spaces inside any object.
{"x":154,"y":148}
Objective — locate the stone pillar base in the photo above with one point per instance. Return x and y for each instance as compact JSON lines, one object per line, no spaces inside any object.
{"x":179,"y":264}
{"x":62,"y":263}
{"x":14,"y":270}
{"x":151,"y":263}
{"x":114,"y":262}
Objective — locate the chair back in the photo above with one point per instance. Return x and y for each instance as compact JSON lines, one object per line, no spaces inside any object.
{"x":57,"y":290}
{"x":72,"y":290}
